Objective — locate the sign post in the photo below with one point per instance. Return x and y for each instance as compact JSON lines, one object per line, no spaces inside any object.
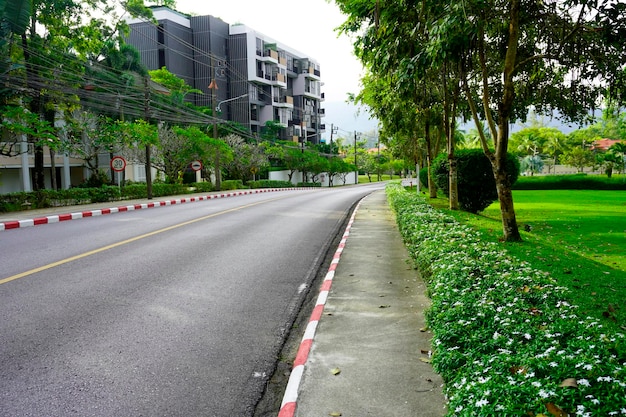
{"x":118,"y":164}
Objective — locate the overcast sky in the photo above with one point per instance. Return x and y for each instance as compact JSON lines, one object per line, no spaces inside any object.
{"x":307,"y":26}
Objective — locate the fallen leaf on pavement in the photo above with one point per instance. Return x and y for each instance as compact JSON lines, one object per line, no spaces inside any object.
{"x":335,"y":371}
{"x":569,"y":382}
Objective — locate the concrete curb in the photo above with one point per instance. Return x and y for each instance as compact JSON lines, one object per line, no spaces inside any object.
{"x":16,"y":224}
{"x":289,"y":403}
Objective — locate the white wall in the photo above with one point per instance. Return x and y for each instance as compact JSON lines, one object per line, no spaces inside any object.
{"x":323,"y":178}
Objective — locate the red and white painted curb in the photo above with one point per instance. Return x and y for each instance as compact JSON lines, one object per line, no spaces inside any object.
{"x":289,"y":403}
{"x":16,"y":224}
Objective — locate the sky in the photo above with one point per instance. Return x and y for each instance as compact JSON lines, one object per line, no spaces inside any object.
{"x":308,"y":26}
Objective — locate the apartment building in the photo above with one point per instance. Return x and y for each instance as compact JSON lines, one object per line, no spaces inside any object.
{"x":249,"y":77}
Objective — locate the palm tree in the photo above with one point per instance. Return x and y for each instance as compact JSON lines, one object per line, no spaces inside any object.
{"x":619,"y":149}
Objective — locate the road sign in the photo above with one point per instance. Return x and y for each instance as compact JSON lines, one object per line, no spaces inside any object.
{"x":118,"y":164}
{"x":196,"y":165}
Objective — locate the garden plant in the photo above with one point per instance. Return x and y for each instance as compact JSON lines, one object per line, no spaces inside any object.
{"x":508,"y":339}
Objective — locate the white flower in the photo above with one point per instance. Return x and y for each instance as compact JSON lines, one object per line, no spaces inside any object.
{"x":527,"y":336}
{"x":482,"y":403}
{"x":588,"y":367}
{"x":544,"y":394}
{"x":536,"y":384}
{"x":553,"y":364}
{"x":458,"y":409}
{"x":583,"y":382}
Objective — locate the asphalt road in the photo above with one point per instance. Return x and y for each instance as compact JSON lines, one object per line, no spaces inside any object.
{"x":171,"y":311}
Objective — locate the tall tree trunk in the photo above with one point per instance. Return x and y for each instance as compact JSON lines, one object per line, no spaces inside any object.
{"x":38,"y":172}
{"x":503,"y":184}
{"x":53,"y":170}
{"x":432,"y":188}
{"x":449,"y":110}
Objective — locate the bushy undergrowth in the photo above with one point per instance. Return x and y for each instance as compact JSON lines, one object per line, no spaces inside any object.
{"x":506,"y":339}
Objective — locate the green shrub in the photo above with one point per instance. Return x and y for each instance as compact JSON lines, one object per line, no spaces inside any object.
{"x":162,"y":189}
{"x":570,"y":182}
{"x":202,"y":187}
{"x":505,"y":336}
{"x":269,"y":184}
{"x":476,"y":184}
{"x":232,"y":185}
{"x":308,"y":184}
{"x":134,"y":191}
{"x":97,"y":179}
{"x":104,"y":194}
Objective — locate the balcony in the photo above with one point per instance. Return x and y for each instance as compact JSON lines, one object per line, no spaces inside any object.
{"x":284,"y":101}
{"x":269,"y":55}
{"x":280,"y":79}
{"x":311,"y":72}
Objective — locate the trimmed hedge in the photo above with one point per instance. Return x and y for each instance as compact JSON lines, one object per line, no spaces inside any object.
{"x":570,"y":182}
{"x":76,"y":196}
{"x":269,"y":184}
{"x":476,"y":184}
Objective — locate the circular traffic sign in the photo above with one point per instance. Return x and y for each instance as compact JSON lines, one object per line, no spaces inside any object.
{"x":196,"y":165}
{"x":118,"y":164}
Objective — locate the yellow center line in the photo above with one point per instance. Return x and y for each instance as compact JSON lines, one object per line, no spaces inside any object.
{"x":125,"y":242}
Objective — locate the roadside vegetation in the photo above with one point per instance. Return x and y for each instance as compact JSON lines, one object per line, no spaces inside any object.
{"x":533,"y":328}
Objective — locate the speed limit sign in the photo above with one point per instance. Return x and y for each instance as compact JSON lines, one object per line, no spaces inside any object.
{"x":118,"y":164}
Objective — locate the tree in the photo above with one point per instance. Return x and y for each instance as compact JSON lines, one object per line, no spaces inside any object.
{"x":507,"y":55}
{"x":578,"y":158}
{"x":248,"y":158}
{"x":335,"y":165}
{"x":316,"y":165}
{"x":56,"y":44}
{"x":619,"y":150}
{"x":477,"y":187}
{"x":532,"y":164}
{"x":178,"y":88}
{"x":177,"y":147}
{"x":89,"y":135}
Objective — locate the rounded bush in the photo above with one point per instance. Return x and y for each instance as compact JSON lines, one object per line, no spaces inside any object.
{"x":476,"y":184}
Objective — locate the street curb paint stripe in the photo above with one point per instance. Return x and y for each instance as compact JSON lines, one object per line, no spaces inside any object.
{"x":17,"y":224}
{"x":290,"y":398}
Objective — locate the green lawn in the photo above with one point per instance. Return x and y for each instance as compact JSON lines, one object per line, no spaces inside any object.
{"x":577,"y":236}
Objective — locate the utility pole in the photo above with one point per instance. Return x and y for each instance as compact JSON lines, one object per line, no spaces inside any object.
{"x":378,"y":162}
{"x":213,"y":88}
{"x":148,"y":145}
{"x":333,"y":130}
{"x":356,"y":168}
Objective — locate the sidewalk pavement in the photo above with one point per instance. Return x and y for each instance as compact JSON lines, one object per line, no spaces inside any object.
{"x":366,"y":349}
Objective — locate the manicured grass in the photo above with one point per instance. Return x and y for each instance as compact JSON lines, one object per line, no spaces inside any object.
{"x":577,"y":236}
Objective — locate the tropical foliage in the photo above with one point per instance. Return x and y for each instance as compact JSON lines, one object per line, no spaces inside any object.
{"x":499,"y":57}
{"x":507,"y":340}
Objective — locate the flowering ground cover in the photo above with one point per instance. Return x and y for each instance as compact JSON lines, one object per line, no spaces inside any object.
{"x":508,"y":340}
{"x":578,"y":236}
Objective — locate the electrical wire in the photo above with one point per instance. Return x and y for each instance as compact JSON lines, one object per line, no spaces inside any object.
{"x":108,"y":96}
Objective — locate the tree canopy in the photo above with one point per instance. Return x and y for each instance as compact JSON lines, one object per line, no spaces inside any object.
{"x":504,"y":56}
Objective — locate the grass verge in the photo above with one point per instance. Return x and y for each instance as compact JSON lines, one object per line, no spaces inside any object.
{"x":577,"y":236}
